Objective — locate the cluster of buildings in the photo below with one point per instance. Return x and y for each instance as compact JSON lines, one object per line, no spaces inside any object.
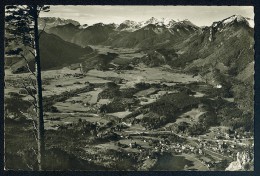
{"x":185,"y":148}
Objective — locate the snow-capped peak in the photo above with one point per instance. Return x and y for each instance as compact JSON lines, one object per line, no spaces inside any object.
{"x":151,"y":21}
{"x":233,"y":18}
{"x":166,"y":21}
{"x":251,"y":22}
{"x":113,"y":25}
{"x":130,"y":23}
{"x":160,"y":22}
{"x":84,"y":26}
{"x":99,"y":24}
{"x":183,"y":23}
{"x":239,"y":19}
{"x":171,"y":23}
{"x":186,"y":22}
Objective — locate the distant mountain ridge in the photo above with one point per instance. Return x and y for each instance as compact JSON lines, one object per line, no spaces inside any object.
{"x":55,"y":52}
{"x":150,"y":33}
{"x":226,"y":44}
{"x":115,"y":34}
{"x":48,"y":22}
{"x":128,"y":25}
{"x":222,"y":44}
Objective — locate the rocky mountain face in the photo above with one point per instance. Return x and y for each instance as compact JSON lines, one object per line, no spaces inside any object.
{"x":128,"y":25}
{"x":146,"y":37}
{"x":65,"y":31}
{"x":244,"y":161}
{"x":152,"y":32}
{"x":48,"y":22}
{"x":84,"y":35}
{"x":226,"y":45}
{"x":223,"y":54}
{"x":95,"y":34}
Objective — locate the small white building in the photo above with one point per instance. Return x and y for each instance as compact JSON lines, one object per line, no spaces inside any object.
{"x":218,"y":86}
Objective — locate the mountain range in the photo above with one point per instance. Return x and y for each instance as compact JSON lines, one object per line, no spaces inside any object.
{"x":226,"y":44}
{"x":47,"y":22}
{"x":135,"y":33}
{"x":222,"y":53}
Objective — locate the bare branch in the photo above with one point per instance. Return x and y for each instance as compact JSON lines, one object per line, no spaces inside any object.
{"x":34,"y":125}
{"x":33,"y":83}
{"x":32,"y":41}
{"x":30,"y":167}
{"x":42,"y":30}
{"x":32,"y":53}
{"x":29,"y":92}
{"x":33,"y":103}
{"x":34,"y":151}
{"x":35,"y":130}
{"x":39,"y":11}
{"x":27,"y":65}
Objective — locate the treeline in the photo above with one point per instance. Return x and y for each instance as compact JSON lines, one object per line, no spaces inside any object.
{"x":158,"y":57}
{"x":99,"y":62}
{"x":167,"y":109}
{"x":48,"y":102}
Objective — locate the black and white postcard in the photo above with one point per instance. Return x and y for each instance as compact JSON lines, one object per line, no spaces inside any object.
{"x":129,"y":88}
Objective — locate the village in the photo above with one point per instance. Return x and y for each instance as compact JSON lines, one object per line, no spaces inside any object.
{"x":149,"y":117}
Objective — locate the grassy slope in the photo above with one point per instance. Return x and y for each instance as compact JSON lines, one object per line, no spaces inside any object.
{"x":55,"y":52}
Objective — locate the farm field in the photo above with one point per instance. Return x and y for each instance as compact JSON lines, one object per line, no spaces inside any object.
{"x":144,"y":121}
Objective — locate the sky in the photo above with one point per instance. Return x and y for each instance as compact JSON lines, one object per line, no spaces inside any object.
{"x":199,"y":15}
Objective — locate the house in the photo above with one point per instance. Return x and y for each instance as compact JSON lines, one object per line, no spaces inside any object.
{"x":218,"y":86}
{"x":133,"y":145}
{"x":200,"y":151}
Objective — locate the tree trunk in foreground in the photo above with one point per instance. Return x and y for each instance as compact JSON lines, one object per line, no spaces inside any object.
{"x":40,"y":131}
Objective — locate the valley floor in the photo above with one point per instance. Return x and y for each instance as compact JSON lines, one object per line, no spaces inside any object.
{"x":89,"y":128}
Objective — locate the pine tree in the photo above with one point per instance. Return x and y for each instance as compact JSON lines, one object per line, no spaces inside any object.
{"x":22,"y":32}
